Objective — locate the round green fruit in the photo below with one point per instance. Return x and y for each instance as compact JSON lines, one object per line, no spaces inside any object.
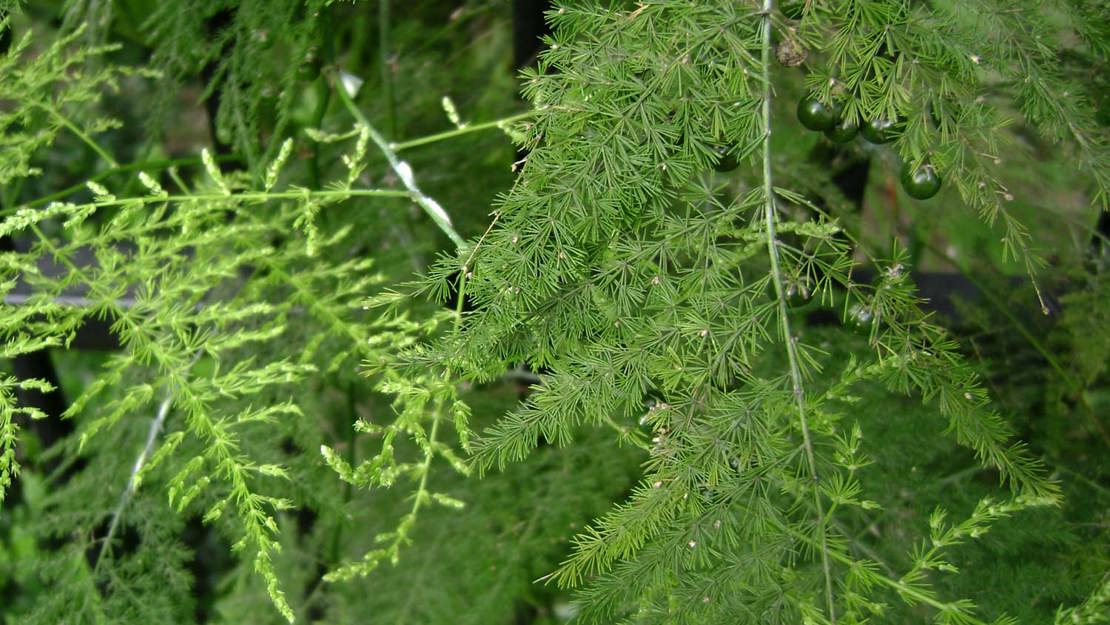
{"x":726,"y":158}
{"x":843,"y":132}
{"x":816,"y":115}
{"x":921,"y":183}
{"x":879,"y":131}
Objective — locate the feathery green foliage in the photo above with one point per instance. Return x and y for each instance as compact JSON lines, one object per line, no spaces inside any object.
{"x":641,"y":390}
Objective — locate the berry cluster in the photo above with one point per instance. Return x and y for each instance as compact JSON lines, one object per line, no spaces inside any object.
{"x":920,"y":182}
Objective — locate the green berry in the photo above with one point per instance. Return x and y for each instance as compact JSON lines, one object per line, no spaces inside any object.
{"x":921,"y":183}
{"x":879,"y":131}
{"x":816,"y":115}
{"x":726,"y":158}
{"x":843,"y":132}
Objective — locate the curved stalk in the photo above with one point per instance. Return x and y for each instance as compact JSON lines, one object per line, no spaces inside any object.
{"x":80,"y":134}
{"x":129,"y":489}
{"x":403,"y":171}
{"x":780,"y":295}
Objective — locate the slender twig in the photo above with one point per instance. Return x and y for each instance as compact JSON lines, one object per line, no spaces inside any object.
{"x":175,"y":176}
{"x":784,"y":317}
{"x":17,"y":298}
{"x":466,"y":129}
{"x":324,"y":96}
{"x":867,"y":550}
{"x":129,"y":490}
{"x":147,"y":166}
{"x":386,"y":65}
{"x":402,"y":170}
{"x":63,"y":120}
{"x":429,"y":451}
{"x":903,"y":589}
{"x":425,"y":466}
{"x":253,"y":196}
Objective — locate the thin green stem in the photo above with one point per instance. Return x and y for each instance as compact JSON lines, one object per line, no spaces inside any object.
{"x":429,"y":453}
{"x":898,"y":586}
{"x":403,"y":171}
{"x":867,"y":550}
{"x":324,"y":93}
{"x":425,"y":466}
{"x":254,"y":196}
{"x":156,"y":426}
{"x":784,"y":317}
{"x":386,"y":65}
{"x":354,"y":52}
{"x":63,"y":120}
{"x":462,"y":295}
{"x":10,"y":193}
{"x":467,"y":129}
{"x":205,"y":428}
{"x":129,"y":489}
{"x":172,"y":172}
{"x":147,"y":166}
